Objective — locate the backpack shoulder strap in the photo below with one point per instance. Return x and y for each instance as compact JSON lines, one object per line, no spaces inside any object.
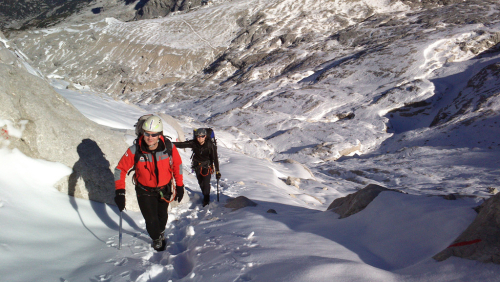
{"x":137,"y":155}
{"x":168,"y":148}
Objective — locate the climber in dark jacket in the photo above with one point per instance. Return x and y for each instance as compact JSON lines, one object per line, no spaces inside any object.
{"x":205,"y":160}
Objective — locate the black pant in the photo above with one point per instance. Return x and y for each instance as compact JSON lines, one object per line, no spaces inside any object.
{"x":203,"y":175}
{"x":154,"y":209}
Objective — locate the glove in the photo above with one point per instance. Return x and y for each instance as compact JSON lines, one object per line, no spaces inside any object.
{"x":180,"y":193}
{"x":120,"y":199}
{"x":217,"y":175}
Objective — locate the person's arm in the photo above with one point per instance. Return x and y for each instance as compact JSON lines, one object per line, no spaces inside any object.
{"x":124,"y":165}
{"x":185,"y":144}
{"x":126,"y":162}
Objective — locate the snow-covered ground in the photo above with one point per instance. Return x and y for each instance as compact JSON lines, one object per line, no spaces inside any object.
{"x":49,"y":236}
{"x":340,"y":94}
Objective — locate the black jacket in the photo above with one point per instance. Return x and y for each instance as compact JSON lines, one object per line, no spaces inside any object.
{"x":203,"y":155}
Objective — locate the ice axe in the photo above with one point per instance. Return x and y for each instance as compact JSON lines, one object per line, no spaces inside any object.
{"x":120,"y":232}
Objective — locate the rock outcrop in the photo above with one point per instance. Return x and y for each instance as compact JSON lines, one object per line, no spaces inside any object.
{"x":150,"y":9}
{"x":239,"y":203}
{"x":481,"y":240}
{"x":42,"y":124}
{"x":482,"y":89}
{"x":356,"y":202}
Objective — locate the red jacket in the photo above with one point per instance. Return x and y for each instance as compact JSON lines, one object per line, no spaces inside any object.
{"x":150,"y":171}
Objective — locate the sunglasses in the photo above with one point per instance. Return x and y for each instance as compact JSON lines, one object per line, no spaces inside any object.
{"x":200,"y":136}
{"x":152,"y":135}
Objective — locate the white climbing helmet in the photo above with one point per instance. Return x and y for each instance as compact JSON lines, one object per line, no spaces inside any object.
{"x":153,"y":124}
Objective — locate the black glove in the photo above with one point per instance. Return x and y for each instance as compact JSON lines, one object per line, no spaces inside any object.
{"x":180,"y":193}
{"x":217,"y":175}
{"x":120,"y":199}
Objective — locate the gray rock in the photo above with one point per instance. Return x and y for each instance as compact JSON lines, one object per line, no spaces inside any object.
{"x":272,"y":211}
{"x":450,"y":197}
{"x":481,"y":240}
{"x":239,"y":202}
{"x":154,"y":9}
{"x":160,"y":8}
{"x":356,"y":202}
{"x":54,"y":130}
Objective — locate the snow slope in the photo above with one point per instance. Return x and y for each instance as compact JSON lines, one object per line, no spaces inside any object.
{"x":341,"y":95}
{"x":48,"y":236}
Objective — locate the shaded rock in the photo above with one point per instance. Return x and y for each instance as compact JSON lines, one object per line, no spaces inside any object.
{"x":239,"y":202}
{"x":154,"y":9}
{"x":356,"y":202}
{"x":481,"y":89}
{"x":481,"y":240}
{"x":150,"y":9}
{"x":450,"y":197}
{"x":272,"y":211}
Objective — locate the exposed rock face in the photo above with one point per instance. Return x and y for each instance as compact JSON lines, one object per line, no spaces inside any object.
{"x":42,"y":124}
{"x":481,"y":240}
{"x":481,"y":90}
{"x":150,"y":9}
{"x":356,"y":202}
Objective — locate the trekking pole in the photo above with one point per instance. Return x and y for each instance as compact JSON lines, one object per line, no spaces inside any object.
{"x":120,"y":232}
{"x":217,"y":190}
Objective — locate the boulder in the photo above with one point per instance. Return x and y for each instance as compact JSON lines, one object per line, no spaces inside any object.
{"x":356,"y":202}
{"x":239,"y":202}
{"x":481,"y":240}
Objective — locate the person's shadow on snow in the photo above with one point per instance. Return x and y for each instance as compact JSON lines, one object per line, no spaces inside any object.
{"x":94,"y":169}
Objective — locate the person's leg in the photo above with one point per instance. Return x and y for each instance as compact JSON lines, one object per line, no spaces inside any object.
{"x":149,"y":206}
{"x":206,"y":187}
{"x":162,"y":219}
{"x":163,"y":208}
{"x":204,"y":182}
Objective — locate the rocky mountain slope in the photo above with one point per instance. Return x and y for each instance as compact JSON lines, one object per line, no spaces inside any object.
{"x":339,"y":59}
{"x":30,"y":13}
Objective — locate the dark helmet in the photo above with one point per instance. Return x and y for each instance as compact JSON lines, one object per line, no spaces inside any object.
{"x":200,"y":132}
